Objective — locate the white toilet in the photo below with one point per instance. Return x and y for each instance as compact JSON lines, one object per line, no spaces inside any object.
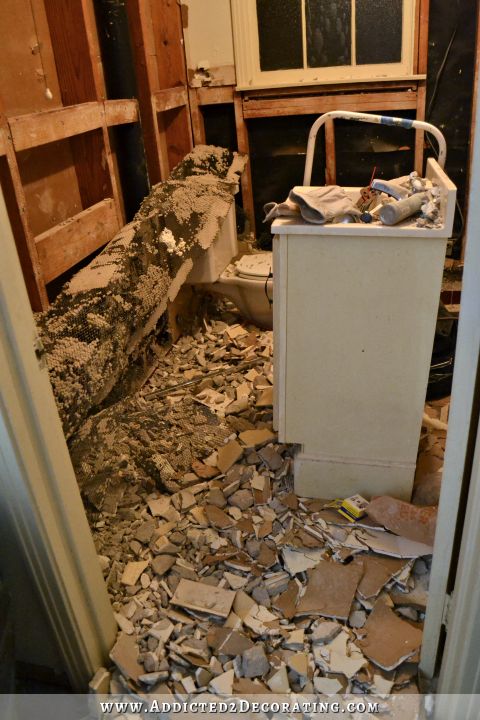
{"x":247,"y":282}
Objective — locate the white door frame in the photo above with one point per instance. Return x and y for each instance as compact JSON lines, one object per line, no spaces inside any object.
{"x":460,"y":471}
{"x":38,"y":487}
{"x":459,"y":681}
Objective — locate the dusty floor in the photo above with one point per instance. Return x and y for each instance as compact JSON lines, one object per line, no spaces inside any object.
{"x":222,"y":580}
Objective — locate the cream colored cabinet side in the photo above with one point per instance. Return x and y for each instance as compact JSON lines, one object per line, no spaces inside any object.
{"x":280,"y":274}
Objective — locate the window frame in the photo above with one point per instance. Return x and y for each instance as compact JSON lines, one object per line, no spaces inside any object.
{"x":251,"y":77}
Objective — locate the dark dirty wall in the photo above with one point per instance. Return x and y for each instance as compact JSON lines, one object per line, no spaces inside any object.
{"x":278,"y":145}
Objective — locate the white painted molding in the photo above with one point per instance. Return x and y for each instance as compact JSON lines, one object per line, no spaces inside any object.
{"x":39,"y":490}
{"x":462,"y":431}
{"x":247,"y":56}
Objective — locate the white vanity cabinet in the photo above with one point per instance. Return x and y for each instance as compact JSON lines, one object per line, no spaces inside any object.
{"x":355,"y":309}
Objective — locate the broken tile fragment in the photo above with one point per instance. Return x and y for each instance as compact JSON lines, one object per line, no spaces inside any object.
{"x":145,"y":531}
{"x":272,"y":459}
{"x":256,"y":438}
{"x":357,"y":618}
{"x":385,"y":543}
{"x":242,"y":499}
{"x":286,"y":603}
{"x":204,"y":471}
{"x":278,"y":681}
{"x":223,"y":684}
{"x":162,"y":564}
{"x":402,"y":518}
{"x":124,"y":655}
{"x":265,"y":397}
{"x":327,"y":686}
{"x":298,"y":662}
{"x":340,"y":656}
{"x":255,"y":662}
{"x":226,"y":641}
{"x":205,"y":598}
{"x":124,"y":624}
{"x":298,"y":561}
{"x":378,"y":570}
{"x":132,"y":572}
{"x":228,"y":455}
{"x":404,"y":640}
{"x":323,"y":631}
{"x":217,"y":517}
{"x":330,"y":590}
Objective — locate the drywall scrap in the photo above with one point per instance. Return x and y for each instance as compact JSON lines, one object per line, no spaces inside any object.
{"x":387,"y":640}
{"x":247,"y":588}
{"x":96,"y":326}
{"x":402,"y":518}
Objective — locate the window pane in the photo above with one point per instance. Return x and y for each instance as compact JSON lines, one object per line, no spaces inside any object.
{"x":329,"y":36}
{"x":280,"y":34}
{"x":379,"y":31}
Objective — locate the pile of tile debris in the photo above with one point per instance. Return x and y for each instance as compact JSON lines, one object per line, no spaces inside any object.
{"x":233,"y":585}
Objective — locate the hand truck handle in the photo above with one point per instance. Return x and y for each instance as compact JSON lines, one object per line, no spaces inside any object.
{"x":374,"y":119}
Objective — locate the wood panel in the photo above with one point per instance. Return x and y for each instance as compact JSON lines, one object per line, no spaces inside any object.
{"x":423,"y":19}
{"x":331,"y":89}
{"x":244,"y":147}
{"x":29,"y":131}
{"x":76,"y":50}
{"x":17,"y":210}
{"x":172,"y":72}
{"x":118,"y":112}
{"x":198,"y":124}
{"x":167,"y":24}
{"x":170,"y":98}
{"x":3,"y":141}
{"x":30,"y":84}
{"x":215,"y":95}
{"x":330,"y":156}
{"x":26,"y":50}
{"x":77,"y":56}
{"x":146,"y":69}
{"x":63,"y":246}
{"x":311,"y":105}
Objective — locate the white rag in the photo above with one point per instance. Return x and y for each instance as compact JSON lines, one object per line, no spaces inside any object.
{"x":315,"y":204}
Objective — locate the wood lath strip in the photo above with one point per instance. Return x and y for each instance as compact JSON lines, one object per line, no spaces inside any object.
{"x":171,"y":98}
{"x":41,"y":128}
{"x":64,"y":245}
{"x":360,"y":102}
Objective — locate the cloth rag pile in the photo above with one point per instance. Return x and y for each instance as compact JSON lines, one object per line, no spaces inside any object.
{"x":317,"y":205}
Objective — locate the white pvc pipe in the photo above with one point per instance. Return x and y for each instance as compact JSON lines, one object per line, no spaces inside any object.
{"x":377,"y":120}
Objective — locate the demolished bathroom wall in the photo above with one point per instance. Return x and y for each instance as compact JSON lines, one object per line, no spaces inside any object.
{"x":96,"y":326}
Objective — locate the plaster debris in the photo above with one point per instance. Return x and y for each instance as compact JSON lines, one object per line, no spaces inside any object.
{"x":223,"y":684}
{"x":327,"y":686}
{"x":278,"y":681}
{"x":203,"y":597}
{"x":255,"y":662}
{"x":226,"y":582}
{"x":402,"y":518}
{"x":383,"y":624}
{"x":330,"y":590}
{"x":132,"y":572}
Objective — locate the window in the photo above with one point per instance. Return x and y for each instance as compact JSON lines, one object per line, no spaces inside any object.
{"x":290,"y":42}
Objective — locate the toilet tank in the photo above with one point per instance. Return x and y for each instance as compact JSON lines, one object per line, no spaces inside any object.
{"x":209,"y":266}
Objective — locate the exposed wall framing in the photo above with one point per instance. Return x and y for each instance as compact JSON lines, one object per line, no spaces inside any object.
{"x":55,"y":144}
{"x":156,"y":30}
{"x":66,"y":139}
{"x":384,"y":96}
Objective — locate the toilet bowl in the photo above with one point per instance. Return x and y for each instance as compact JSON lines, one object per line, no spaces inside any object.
{"x":247,"y":282}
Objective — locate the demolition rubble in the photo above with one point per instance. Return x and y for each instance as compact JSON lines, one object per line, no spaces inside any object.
{"x":222,"y":580}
